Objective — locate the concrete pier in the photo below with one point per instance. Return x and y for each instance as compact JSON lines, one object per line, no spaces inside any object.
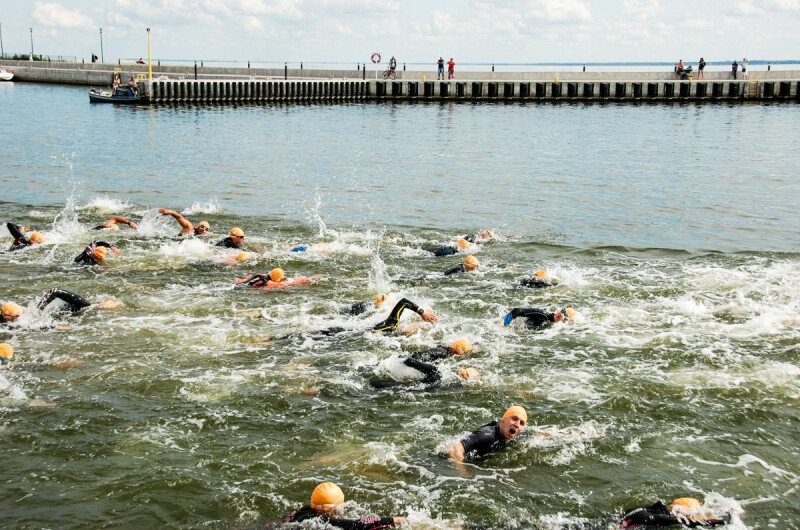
{"x":177,"y":84}
{"x":243,"y":91}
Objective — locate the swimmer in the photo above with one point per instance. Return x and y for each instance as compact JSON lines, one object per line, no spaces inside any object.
{"x":470,"y":263}
{"x":683,"y":511}
{"x":326,"y":501}
{"x":6,"y":354}
{"x":20,"y":241}
{"x":491,"y":437}
{"x":539,"y":318}
{"x":420,"y":361}
{"x":186,"y":227}
{"x":540,"y":279}
{"x":234,"y":240}
{"x":461,"y":244}
{"x":10,"y":312}
{"x":96,"y":253}
{"x":111,"y":224}
{"x":232,"y":261}
{"x":275,"y":279}
{"x":318,"y":247}
{"x":483,"y":237}
{"x":393,"y":321}
{"x":362,"y":307}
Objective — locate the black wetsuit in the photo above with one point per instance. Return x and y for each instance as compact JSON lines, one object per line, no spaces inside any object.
{"x":391,"y":323}
{"x":420,"y":361}
{"x":75,"y":302}
{"x":483,"y":441}
{"x":20,"y":241}
{"x":445,"y":251}
{"x":660,"y":515}
{"x":365,"y":523}
{"x":358,"y":308}
{"x":87,"y":256}
{"x":258,"y":280}
{"x":455,"y":270}
{"x":228,"y":242}
{"x":537,"y":283}
{"x":534,"y":317}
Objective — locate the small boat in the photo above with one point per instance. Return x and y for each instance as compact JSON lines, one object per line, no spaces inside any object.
{"x":122,"y":94}
{"x":5,"y":75}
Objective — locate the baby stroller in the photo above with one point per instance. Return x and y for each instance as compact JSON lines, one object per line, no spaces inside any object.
{"x":685,"y":73}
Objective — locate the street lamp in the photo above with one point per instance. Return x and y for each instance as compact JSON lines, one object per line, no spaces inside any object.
{"x":101,"y":45}
{"x":31,"y":44}
{"x":2,"y":51}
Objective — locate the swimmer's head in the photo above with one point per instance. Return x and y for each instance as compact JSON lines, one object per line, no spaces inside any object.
{"x":540,"y":274}
{"x":11,"y":312}
{"x":513,"y":422}
{"x":685,"y":505}
{"x":463,"y":244}
{"x":380,"y":299}
{"x":202,"y":228}
{"x":242,"y":256}
{"x":326,"y":497}
{"x":460,"y":346}
{"x":100,"y":253}
{"x":469,"y":374}
{"x":236,"y":232}
{"x":486,"y":235}
{"x":567,"y":315}
{"x":471,"y":263}
{"x":36,"y":238}
{"x":6,"y":353}
{"x":276,"y":274}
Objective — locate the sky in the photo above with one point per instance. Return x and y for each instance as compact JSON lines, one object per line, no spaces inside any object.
{"x":415,"y":31}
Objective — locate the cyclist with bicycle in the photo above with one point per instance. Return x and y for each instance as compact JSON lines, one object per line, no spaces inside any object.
{"x":392,"y":64}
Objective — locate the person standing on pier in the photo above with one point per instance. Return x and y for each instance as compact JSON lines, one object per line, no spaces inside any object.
{"x":700,"y":66}
{"x":734,"y":68}
{"x":440,"y":71}
{"x":745,"y":63}
{"x":451,"y":69}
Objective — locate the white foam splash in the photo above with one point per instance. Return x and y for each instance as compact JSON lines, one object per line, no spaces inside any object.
{"x":105,"y":205}
{"x":210,"y":207}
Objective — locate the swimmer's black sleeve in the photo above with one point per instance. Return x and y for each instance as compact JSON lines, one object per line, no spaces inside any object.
{"x":534,"y":317}
{"x":536,"y":283}
{"x":86,"y":257}
{"x":659,"y":514}
{"x":471,"y":238}
{"x":444,"y":251}
{"x":432,"y":374}
{"x":227,"y":243}
{"x":358,"y":308}
{"x":103,"y":244}
{"x":366,"y":523}
{"x":20,"y":241}
{"x":75,"y":302}
{"x":455,"y":270}
{"x":434,"y":354}
{"x":257,"y":280}
{"x":483,"y":441}
{"x":391,"y":323}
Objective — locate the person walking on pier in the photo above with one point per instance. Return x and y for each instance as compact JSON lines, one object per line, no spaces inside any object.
{"x":440,"y":69}
{"x":745,"y":63}
{"x":451,"y":69}
{"x":734,"y":68}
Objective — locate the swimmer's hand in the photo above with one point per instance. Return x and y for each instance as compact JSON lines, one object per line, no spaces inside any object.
{"x":399,"y":521}
{"x":115,"y":250}
{"x":165,"y":211}
{"x":429,"y":316}
{"x":133,"y":225}
{"x":507,"y":320}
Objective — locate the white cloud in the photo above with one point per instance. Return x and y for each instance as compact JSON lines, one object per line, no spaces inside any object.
{"x":642,"y":9}
{"x":785,"y":5}
{"x":363,"y":7}
{"x":57,"y":16}
{"x":559,"y":10}
{"x":251,"y":23}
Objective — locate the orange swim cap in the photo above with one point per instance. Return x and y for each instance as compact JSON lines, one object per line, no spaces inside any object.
{"x":205,"y":224}
{"x":36,"y":238}
{"x":276,"y":274}
{"x":571,"y":313}
{"x":471,"y":263}
{"x":462,"y":244}
{"x":518,"y":411}
{"x":541,"y":273}
{"x":381,"y":298}
{"x":241,"y":256}
{"x":461,"y":346}
{"x":100,"y":253}
{"x":6,"y":353}
{"x":326,"y":495}
{"x":11,"y":311}
{"x":685,"y":504}
{"x":236,"y":232}
{"x":469,"y":374}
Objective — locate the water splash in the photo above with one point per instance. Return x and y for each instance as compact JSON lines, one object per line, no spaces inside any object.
{"x":210,"y":207}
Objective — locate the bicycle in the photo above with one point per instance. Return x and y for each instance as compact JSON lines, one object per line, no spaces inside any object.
{"x":390,"y":73}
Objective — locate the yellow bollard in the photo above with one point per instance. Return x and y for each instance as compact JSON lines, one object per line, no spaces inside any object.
{"x":424,"y":77}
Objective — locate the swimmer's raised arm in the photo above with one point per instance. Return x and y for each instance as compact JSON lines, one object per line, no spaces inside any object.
{"x":186,"y":226}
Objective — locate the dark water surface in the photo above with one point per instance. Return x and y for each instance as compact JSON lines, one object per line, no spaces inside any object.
{"x":673,"y":230}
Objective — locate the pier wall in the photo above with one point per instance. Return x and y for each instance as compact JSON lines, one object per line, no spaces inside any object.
{"x":242,"y":91}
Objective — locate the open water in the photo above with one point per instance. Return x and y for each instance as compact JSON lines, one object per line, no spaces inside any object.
{"x":673,"y":229}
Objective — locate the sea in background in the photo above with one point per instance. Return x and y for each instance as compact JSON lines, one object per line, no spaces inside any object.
{"x":672,"y":228}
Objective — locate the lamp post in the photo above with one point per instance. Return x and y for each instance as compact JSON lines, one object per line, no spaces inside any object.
{"x":31,"y":44}
{"x":2,"y":51}
{"x":149,"y":58}
{"x":101,"y":45}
